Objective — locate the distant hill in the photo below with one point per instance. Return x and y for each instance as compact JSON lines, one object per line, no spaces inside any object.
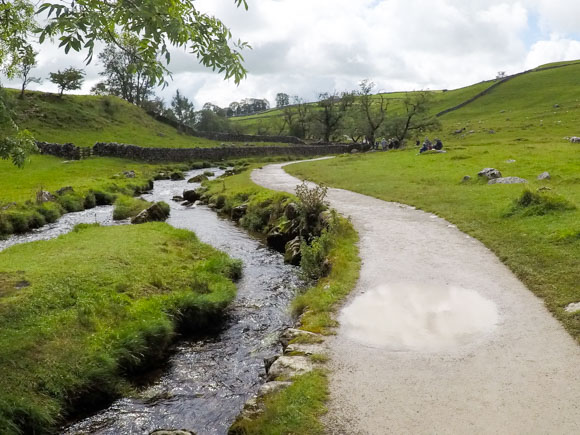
{"x":86,"y":119}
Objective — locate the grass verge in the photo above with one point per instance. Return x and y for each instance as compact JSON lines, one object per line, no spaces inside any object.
{"x":75,"y":329}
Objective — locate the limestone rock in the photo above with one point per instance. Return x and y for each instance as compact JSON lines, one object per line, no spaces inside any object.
{"x":291,"y":211}
{"x":354,"y":151}
{"x":489,"y":173}
{"x":198,"y":178}
{"x":44,"y":196}
{"x":273,"y":387}
{"x":191,"y":195}
{"x":575,"y":139}
{"x":291,"y":333}
{"x":156,"y":212}
{"x":572,"y":308}
{"x":239,"y":212}
{"x":510,"y":161}
{"x":507,"y":180}
{"x":289,"y":367}
{"x":465,"y":179}
{"x":544,"y":176}
{"x":305,"y":348}
{"x":129,"y":174}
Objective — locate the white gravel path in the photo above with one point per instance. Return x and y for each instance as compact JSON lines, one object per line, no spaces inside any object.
{"x":439,"y":337}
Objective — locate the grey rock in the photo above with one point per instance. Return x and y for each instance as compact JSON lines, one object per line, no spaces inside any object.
{"x":354,"y":151}
{"x":291,"y":211}
{"x":572,"y":308}
{"x":544,"y":176}
{"x":172,"y":432}
{"x":510,"y":161}
{"x":575,"y":139}
{"x":269,"y":361}
{"x":507,"y":180}
{"x":556,"y":106}
{"x":305,"y":348}
{"x":177,"y":198}
{"x":191,"y":195}
{"x":465,"y":179}
{"x":272,"y":387}
{"x":288,"y":367}
{"x":489,"y":173}
{"x":291,"y":333}
{"x":198,"y":178}
{"x":44,"y":196}
{"x":153,"y":213}
{"x":129,"y":174}
{"x":239,"y":212}
{"x":491,"y":132}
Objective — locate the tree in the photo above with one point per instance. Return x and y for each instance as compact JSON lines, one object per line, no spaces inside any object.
{"x":124,"y":71}
{"x":282,"y":99}
{"x":301,"y":127}
{"x":332,"y":110}
{"x":208,"y":120}
{"x":68,"y":80}
{"x":183,"y":109}
{"x":373,"y":110}
{"x":27,"y":64}
{"x":415,"y":116}
{"x":159,"y":24}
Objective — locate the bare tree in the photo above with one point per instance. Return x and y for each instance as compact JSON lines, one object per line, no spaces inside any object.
{"x":415,"y":116}
{"x":332,"y":109}
{"x":373,"y":109}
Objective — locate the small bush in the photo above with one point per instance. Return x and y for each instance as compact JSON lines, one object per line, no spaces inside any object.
{"x":90,"y":201}
{"x":310,"y":204}
{"x":5,"y":225}
{"x":314,"y":262}
{"x":128,"y":207}
{"x":103,"y":198}
{"x":51,"y":211}
{"x":539,"y":204}
{"x":71,"y":202}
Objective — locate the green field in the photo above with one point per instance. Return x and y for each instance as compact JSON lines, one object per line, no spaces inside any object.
{"x":72,"y":329}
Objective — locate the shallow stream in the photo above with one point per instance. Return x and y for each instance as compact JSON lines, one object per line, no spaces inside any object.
{"x":206,"y":381}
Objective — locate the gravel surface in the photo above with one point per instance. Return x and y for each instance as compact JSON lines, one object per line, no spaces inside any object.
{"x":439,"y":336}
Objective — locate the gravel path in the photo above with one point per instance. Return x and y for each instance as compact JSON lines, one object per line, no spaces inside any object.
{"x":439,"y":336}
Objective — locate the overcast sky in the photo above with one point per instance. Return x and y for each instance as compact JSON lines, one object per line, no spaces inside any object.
{"x":304,"y":47}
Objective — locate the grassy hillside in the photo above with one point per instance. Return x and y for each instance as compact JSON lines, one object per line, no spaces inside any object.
{"x":86,"y":119}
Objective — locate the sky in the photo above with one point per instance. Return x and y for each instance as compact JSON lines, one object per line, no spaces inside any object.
{"x":306,"y":47}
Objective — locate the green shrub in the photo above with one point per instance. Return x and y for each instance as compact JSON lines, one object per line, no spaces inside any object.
{"x":310,"y":204}
{"x":103,"y":198}
{"x":314,"y":262}
{"x":90,"y":201}
{"x":5,"y":225}
{"x":539,"y":204}
{"x":71,"y":202}
{"x":51,"y":211}
{"x":128,"y":207}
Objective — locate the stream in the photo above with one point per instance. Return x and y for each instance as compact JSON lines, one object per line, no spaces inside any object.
{"x":206,"y":381}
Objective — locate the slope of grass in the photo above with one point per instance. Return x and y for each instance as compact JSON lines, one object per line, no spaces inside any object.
{"x":543,"y":249}
{"x":74,"y":329}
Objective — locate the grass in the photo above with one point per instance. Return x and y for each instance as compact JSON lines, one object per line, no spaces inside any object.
{"x":534,"y":233}
{"x":72,"y":329}
{"x":86,"y":119}
{"x":128,"y":207}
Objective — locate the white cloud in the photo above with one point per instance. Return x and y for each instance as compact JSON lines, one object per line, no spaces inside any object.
{"x":308,"y":46}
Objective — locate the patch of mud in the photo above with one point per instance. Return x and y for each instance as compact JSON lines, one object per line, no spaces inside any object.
{"x":418,"y":317}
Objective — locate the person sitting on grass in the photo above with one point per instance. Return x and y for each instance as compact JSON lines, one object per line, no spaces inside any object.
{"x":438,"y":145}
{"x":426,"y":146}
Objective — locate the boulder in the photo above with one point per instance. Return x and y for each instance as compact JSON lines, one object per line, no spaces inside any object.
{"x":64,"y":190}
{"x":507,"y":180}
{"x":292,"y":254}
{"x":272,"y":387}
{"x":129,"y":174}
{"x":288,"y":367}
{"x":176,"y":176}
{"x":177,"y":198}
{"x":575,"y":139}
{"x":239,"y":212}
{"x":291,"y":334}
{"x":291,"y":211}
{"x":305,"y":348}
{"x":354,"y":151}
{"x":544,"y":176}
{"x":162,"y":176}
{"x":191,"y":195}
{"x":465,"y":179}
{"x":489,"y":173}
{"x":197,"y":179}
{"x":510,"y":161}
{"x":156,"y":212}
{"x":277,"y":240}
{"x":269,"y":361}
{"x":44,"y":196}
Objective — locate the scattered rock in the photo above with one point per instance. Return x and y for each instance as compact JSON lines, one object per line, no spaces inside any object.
{"x":277,"y":240}
{"x":291,"y":334}
{"x":491,"y":132}
{"x":556,"y":106}
{"x":197,"y":179}
{"x":305,"y":348}
{"x":156,"y":212}
{"x":510,"y":161}
{"x":162,"y":176}
{"x":44,"y":196}
{"x":176,"y":176}
{"x":461,"y":130}
{"x":239,"y":212}
{"x":572,"y":308}
{"x":354,"y":151}
{"x":177,"y":198}
{"x":65,"y":190}
{"x":272,"y":387}
{"x":471,"y":131}
{"x":489,"y":173}
{"x":129,"y":174}
{"x":288,"y":367}
{"x":575,"y":139}
{"x":191,"y":195}
{"x":544,"y":176}
{"x":269,"y":361}
{"x":291,"y":211}
{"x":292,"y":254}
{"x":507,"y":180}
{"x":465,"y":179}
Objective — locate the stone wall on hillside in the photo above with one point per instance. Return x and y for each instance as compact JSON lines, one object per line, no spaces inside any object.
{"x":222,"y":153}
{"x":65,"y":150}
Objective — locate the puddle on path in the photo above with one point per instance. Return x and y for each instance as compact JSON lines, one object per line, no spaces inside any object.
{"x":418,"y":317}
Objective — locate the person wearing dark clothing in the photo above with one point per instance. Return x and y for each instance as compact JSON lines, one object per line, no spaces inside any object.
{"x":438,"y":145}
